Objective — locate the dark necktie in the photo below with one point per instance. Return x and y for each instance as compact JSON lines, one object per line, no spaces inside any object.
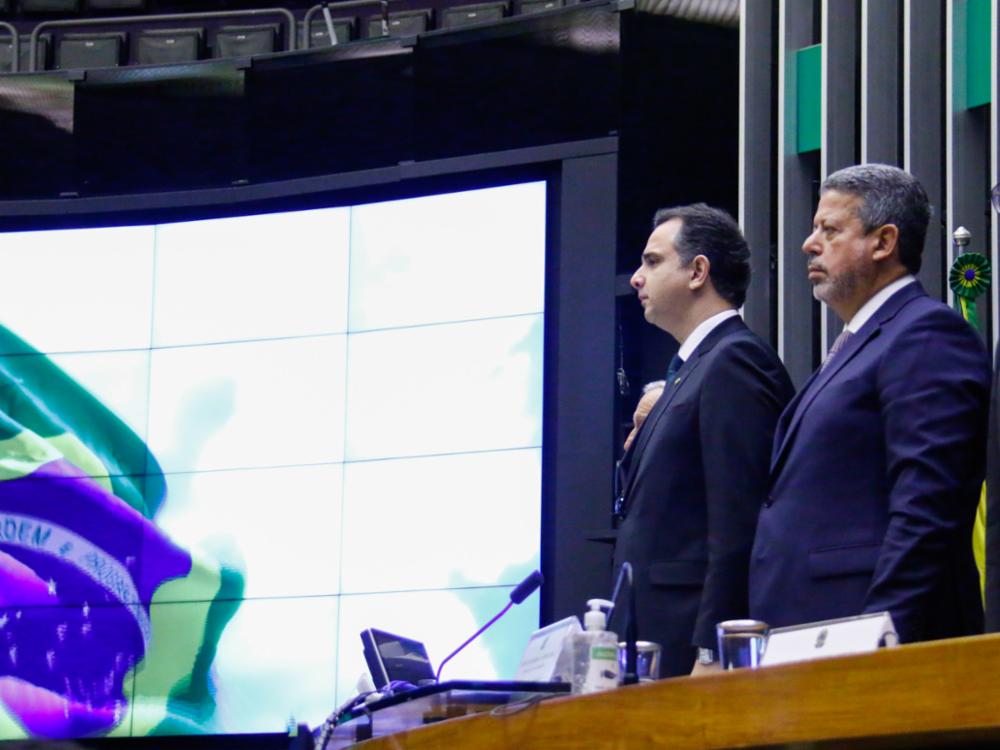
{"x":838,"y":344}
{"x":673,"y":367}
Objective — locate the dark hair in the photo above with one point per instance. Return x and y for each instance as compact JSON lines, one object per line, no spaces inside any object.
{"x":715,"y":234}
{"x":888,"y":196}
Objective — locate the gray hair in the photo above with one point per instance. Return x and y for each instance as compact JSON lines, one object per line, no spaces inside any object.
{"x":653,"y":385}
{"x":888,"y":196}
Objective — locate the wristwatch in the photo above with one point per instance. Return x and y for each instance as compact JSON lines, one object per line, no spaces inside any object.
{"x":706,"y":656}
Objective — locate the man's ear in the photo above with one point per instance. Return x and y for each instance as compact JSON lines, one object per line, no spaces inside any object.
{"x":699,"y":269}
{"x":886,"y":242}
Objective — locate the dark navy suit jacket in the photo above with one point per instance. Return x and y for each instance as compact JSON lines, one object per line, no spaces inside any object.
{"x":694,"y":485}
{"x":993,"y":506}
{"x":875,"y":477}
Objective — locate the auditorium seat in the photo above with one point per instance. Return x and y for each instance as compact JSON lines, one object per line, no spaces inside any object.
{"x":404,"y":23}
{"x":7,"y":55}
{"x":469,"y":15}
{"x":164,"y":46}
{"x":319,"y":36}
{"x":115,"y":4}
{"x":538,"y":6}
{"x":243,"y":41}
{"x":49,"y":6}
{"x":98,"y":50}
{"x":41,"y":54}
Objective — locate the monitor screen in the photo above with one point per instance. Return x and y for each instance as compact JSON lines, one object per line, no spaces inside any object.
{"x":395,"y":658}
{"x":228,"y":446}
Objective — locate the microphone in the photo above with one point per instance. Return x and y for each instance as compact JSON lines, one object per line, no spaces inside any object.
{"x":526,"y":587}
{"x":329,"y":25}
{"x":519,"y":593}
{"x":631,"y":675}
{"x":385,"y":17}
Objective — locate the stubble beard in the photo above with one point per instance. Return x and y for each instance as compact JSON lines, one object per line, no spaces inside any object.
{"x":841,"y":288}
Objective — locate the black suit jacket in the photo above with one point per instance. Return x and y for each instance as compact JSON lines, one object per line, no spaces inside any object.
{"x":693,"y":489}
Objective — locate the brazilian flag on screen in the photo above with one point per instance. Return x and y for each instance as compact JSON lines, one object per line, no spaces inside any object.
{"x":107,"y":627}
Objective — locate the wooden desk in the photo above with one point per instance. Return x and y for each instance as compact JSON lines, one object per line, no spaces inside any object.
{"x":940,"y":694}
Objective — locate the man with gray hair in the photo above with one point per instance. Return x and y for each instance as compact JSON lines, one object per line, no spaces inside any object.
{"x":651,"y":393}
{"x":878,"y":461}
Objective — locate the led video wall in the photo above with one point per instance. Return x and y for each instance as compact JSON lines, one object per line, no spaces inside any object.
{"x":228,"y":446}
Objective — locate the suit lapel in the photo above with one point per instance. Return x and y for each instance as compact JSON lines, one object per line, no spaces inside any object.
{"x":782,"y":428}
{"x":816,"y":384}
{"x":675,"y":387}
{"x":792,"y":417}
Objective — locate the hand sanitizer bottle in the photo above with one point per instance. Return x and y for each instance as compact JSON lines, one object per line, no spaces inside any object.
{"x":595,"y":652}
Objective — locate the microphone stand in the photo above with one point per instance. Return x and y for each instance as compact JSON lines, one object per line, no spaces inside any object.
{"x":520,"y":592}
{"x":501,"y":613}
{"x":631,"y":676}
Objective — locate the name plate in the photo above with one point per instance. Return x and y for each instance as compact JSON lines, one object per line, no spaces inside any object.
{"x":544,"y":658}
{"x":817,"y":640}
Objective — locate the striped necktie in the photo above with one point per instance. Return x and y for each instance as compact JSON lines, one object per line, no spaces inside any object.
{"x":838,"y":344}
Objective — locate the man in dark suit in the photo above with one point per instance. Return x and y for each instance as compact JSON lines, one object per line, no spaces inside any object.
{"x":878,"y":461}
{"x":698,"y":468}
{"x":992,"y":588}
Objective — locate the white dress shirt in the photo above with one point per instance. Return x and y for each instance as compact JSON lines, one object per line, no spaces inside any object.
{"x":877,"y":300}
{"x":701,"y":331}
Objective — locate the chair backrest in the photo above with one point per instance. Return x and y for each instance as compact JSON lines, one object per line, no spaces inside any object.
{"x":243,"y":41}
{"x":6,"y":55}
{"x":538,"y":6}
{"x":43,"y":53}
{"x":99,"y":50}
{"x":404,"y":23}
{"x":164,"y":46}
{"x":49,"y":6}
{"x":469,"y":15}
{"x":115,"y":4}
{"x":319,"y":35}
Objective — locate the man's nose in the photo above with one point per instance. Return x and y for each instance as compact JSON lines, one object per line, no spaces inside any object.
{"x":636,"y":281}
{"x":811,"y":245}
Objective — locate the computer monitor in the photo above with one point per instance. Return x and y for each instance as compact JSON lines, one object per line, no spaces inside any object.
{"x":393,"y":658}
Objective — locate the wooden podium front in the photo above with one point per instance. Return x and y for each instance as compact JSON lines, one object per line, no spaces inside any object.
{"x":945,"y":693}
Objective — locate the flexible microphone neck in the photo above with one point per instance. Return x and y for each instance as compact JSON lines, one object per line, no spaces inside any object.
{"x":631,"y":675}
{"x":497,"y":616}
{"x":519,"y":593}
